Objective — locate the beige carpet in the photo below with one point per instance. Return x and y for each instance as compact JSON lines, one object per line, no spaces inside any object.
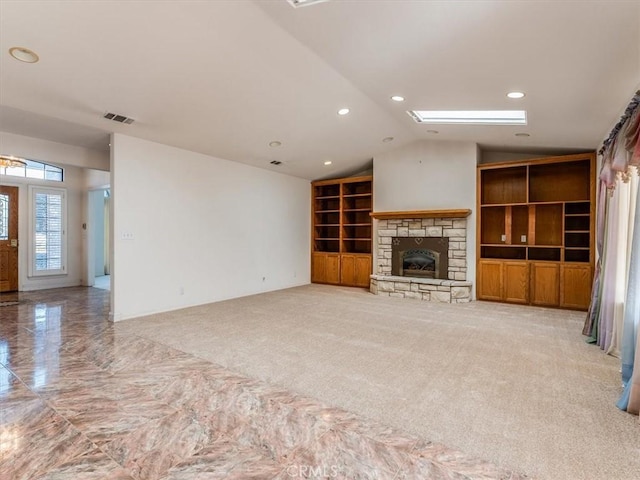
{"x":513,"y":385}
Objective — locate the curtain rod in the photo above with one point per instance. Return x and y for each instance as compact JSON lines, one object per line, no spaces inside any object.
{"x":635,"y":101}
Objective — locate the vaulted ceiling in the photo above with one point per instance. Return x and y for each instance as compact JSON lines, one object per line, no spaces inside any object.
{"x":227,"y":78}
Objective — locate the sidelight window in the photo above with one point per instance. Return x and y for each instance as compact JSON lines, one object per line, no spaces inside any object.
{"x":48,"y":231}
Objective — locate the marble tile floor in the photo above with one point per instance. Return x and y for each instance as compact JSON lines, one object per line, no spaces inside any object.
{"x":79,"y":401}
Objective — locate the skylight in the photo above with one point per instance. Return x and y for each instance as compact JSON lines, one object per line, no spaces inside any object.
{"x":304,"y":3}
{"x":478,"y":117}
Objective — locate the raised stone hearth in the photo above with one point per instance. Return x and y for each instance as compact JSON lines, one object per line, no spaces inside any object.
{"x":394,"y":227}
{"x":433,"y":290}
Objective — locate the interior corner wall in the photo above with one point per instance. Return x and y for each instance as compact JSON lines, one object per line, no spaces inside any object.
{"x":190,"y":229}
{"x":429,"y":175}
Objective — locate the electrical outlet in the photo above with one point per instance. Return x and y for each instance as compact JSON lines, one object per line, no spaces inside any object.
{"x":523,"y":238}
{"x":503,"y":238}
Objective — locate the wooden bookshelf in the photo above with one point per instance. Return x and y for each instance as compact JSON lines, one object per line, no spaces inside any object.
{"x":342,"y":231}
{"x":536,"y":231}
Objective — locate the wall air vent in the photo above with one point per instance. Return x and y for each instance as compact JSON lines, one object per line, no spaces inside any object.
{"x":275,"y":162}
{"x":304,"y":3}
{"x":118,"y":118}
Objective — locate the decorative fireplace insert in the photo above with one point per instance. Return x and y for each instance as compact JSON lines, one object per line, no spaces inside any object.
{"x":423,"y":257}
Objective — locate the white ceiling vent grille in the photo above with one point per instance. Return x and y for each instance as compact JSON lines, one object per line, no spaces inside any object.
{"x":304,"y":3}
{"x":118,"y":118}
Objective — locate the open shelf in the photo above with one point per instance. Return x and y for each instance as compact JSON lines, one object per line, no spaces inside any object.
{"x":357,"y":188}
{"x":576,"y":239}
{"x":493,"y":225}
{"x":551,"y":254}
{"x":359,"y":202}
{"x":513,"y":253}
{"x":548,"y":226}
{"x":326,"y":245}
{"x":552,"y":182}
{"x":331,"y":190}
{"x":576,"y":223}
{"x":356,"y":245}
{"x":504,"y":185}
{"x":576,"y":255}
{"x":577,"y":208}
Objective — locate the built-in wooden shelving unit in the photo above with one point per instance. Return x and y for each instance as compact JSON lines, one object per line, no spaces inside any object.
{"x":341,"y":231}
{"x":536,"y":231}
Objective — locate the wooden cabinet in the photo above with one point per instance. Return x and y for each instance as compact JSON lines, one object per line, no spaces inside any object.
{"x":516,"y":282}
{"x":503,"y":281}
{"x":539,"y":214}
{"x":545,"y":284}
{"x":575,"y":286}
{"x":355,"y":270}
{"x":325,"y":268}
{"x":342,"y":231}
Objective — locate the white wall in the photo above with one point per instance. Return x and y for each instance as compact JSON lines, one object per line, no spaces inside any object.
{"x":201,"y":229}
{"x":73,"y":160}
{"x":52,"y":152}
{"x":428,"y":175}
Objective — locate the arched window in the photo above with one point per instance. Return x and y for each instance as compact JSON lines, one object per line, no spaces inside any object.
{"x":33,"y":169}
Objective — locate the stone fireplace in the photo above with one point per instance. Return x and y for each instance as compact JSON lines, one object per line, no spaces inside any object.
{"x":423,"y":255}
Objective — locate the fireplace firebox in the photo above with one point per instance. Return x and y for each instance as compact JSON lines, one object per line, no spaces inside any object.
{"x":422,"y":257}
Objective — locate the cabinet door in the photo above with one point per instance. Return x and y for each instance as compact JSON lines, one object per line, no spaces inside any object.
{"x":575,"y":286}
{"x":516,"y":282}
{"x":355,"y":270}
{"x":363,"y":271}
{"x":348,"y":270}
{"x":325,"y":268}
{"x":545,"y":284}
{"x":490,"y":276}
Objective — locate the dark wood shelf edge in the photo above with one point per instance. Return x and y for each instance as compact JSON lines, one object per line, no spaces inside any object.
{"x":456,"y":213}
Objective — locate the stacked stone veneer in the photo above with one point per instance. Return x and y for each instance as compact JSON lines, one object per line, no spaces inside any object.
{"x":455,"y":289}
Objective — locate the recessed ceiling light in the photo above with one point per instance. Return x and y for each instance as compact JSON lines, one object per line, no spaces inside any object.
{"x":387,"y":139}
{"x":482,"y":117}
{"x":343,"y":111}
{"x":515,"y":94}
{"x":397,"y":98}
{"x":24,"y":54}
{"x":522,"y":134}
{"x":275,"y":143}
{"x":433,"y":132}
{"x":328,"y":162}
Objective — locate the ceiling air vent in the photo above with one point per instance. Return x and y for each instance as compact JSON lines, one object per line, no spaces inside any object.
{"x":304,"y":3}
{"x":118,"y":118}
{"x":275,"y":162}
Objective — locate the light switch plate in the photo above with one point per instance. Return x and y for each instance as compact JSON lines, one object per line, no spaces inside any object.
{"x":523,"y":239}
{"x":503,"y":238}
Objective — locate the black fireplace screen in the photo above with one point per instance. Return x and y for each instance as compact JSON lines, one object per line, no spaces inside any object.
{"x":425,"y":257}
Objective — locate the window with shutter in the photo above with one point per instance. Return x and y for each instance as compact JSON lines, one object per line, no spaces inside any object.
{"x":48,"y":246}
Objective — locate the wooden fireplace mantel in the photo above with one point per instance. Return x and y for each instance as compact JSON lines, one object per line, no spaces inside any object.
{"x":460,"y":213}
